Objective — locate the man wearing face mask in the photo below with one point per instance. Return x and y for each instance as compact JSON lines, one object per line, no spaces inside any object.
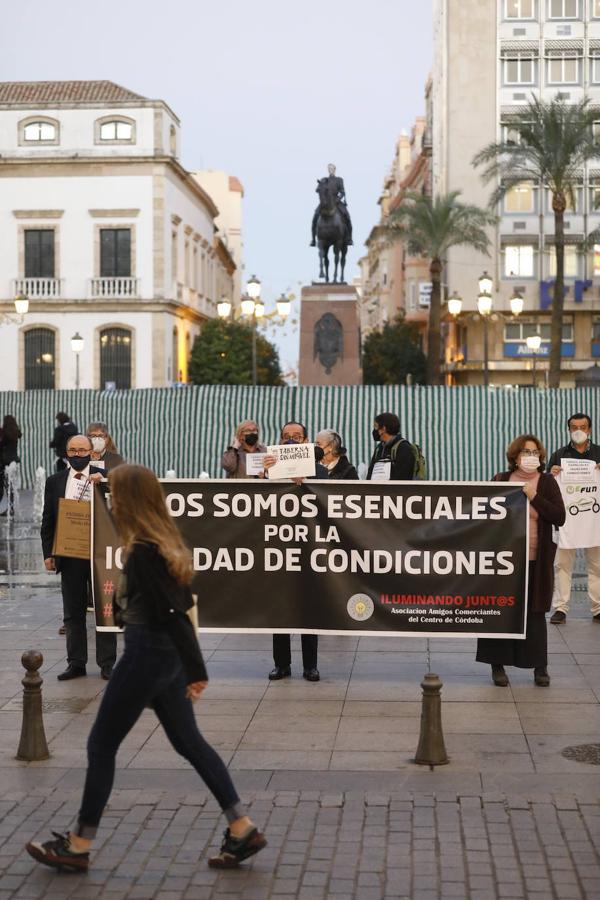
{"x":245,"y":442}
{"x":580,"y":446}
{"x":74,"y":483}
{"x":296,"y":433}
{"x":104,"y":452}
{"x":391,"y":448}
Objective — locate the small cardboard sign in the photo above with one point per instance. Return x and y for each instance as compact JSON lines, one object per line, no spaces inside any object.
{"x":255,"y":463}
{"x":293,"y":461}
{"x":73,"y":527}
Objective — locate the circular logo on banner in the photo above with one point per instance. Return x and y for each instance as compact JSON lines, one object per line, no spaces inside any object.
{"x":360,"y":607}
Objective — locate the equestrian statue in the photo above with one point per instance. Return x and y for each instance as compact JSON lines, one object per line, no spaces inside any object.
{"x":331,"y":225}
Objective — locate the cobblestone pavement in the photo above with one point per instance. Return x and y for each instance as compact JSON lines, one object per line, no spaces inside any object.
{"x":326,"y":768}
{"x":153,"y":845}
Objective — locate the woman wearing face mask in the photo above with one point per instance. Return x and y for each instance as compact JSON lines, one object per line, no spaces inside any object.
{"x":334,"y":458}
{"x":104,"y":452}
{"x":244,"y":442}
{"x":526,"y":458}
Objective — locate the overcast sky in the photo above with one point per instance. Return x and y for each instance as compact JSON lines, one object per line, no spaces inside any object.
{"x":269,"y":90}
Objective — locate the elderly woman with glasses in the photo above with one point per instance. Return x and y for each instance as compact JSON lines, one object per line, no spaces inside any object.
{"x":526,"y":458}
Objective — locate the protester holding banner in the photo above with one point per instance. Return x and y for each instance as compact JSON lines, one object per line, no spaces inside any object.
{"x":74,"y":484}
{"x":244,"y":443}
{"x":296,"y":433}
{"x":526,"y":460}
{"x":394,"y":457}
{"x":161,"y":667}
{"x":586,"y":486}
{"x":104,"y":453}
{"x":335,"y":459}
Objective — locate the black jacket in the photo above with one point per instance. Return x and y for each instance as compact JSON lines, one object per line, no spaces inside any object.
{"x":8,"y":450}
{"x":62,"y":433}
{"x":403,"y":465}
{"x":592,"y":452}
{"x":343,"y":469}
{"x":154,"y":598}
{"x":56,"y":486}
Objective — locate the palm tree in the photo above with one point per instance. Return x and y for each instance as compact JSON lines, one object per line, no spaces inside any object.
{"x":431,"y":227}
{"x":553,"y":141}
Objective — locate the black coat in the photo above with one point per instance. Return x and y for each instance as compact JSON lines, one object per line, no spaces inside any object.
{"x":56,"y":485}
{"x":569,"y":452}
{"x":62,"y":433}
{"x":343,"y":469}
{"x":403,"y":464}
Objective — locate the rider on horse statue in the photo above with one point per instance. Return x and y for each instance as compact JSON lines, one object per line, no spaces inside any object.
{"x":336,"y":188}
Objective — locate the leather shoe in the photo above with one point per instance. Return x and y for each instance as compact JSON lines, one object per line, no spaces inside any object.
{"x":541,"y":677}
{"x":596,"y":618}
{"x":279,"y":672}
{"x":311,"y":675}
{"x":558,"y":618}
{"x":499,"y":676}
{"x":106,"y":672}
{"x":71,"y":672}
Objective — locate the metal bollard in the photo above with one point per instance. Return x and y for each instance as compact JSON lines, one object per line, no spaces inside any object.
{"x":32,"y":746}
{"x":431,"y":750}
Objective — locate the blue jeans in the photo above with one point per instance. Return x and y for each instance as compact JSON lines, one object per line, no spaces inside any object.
{"x":149,"y":673}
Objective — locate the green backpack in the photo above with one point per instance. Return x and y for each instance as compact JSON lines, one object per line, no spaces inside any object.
{"x":420,"y":469}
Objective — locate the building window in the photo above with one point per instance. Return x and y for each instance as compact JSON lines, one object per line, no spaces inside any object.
{"x":39,"y":132}
{"x":596,"y":9}
{"x":596,"y":331}
{"x":595,"y":68}
{"x":519,"y":261}
{"x":39,"y":253}
{"x":520,"y":70}
{"x":571,"y":262}
{"x":520,"y":9}
{"x":116,"y":131}
{"x":175,"y":360}
{"x":563,"y":69}
{"x":563,"y":9}
{"x":574,"y":203}
{"x":40,"y":356}
{"x":115,"y":358}
{"x":520,"y":331}
{"x":520,"y":198}
{"x":115,"y":252}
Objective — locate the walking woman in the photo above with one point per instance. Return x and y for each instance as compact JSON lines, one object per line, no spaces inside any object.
{"x":526,"y":462}
{"x":10,"y":435}
{"x":161,"y":667}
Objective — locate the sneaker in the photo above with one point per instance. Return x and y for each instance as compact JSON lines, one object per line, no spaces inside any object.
{"x":58,"y":854}
{"x":235,"y":850}
{"x":558,"y":618}
{"x":499,"y":676}
{"x":541,"y":677}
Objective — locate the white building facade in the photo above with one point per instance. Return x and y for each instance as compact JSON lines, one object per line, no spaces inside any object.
{"x":490,"y":58}
{"x":106,"y":234}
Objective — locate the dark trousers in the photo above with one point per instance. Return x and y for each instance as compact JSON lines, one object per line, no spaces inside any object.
{"x":282,"y":650}
{"x":75,"y":584}
{"x":148,"y":673}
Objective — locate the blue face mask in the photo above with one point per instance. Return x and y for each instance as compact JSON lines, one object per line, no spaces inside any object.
{"x":290,"y":442}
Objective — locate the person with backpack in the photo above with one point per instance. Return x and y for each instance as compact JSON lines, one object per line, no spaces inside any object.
{"x":395,"y":458}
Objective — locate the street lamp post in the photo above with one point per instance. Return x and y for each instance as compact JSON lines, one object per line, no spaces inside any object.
{"x":21,"y":309}
{"x":484,"y":305}
{"x":534,"y":342}
{"x":252,"y":307}
{"x":77,"y":348}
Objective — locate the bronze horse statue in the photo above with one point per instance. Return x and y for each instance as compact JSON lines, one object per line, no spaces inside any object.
{"x":332,"y":231}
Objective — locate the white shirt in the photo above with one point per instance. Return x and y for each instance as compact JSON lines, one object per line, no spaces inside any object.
{"x":78,"y":488}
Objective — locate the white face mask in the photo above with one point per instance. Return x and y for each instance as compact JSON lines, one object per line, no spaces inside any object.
{"x":579,"y":436}
{"x":529,"y":463}
{"x":98,"y":444}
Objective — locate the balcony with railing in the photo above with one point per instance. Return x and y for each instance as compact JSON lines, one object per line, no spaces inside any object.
{"x":38,"y":288}
{"x":114,"y":288}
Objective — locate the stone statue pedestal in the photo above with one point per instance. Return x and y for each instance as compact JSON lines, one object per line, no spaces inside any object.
{"x":329,"y":335}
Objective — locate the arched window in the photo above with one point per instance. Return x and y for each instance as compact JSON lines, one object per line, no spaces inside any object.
{"x":38,"y":131}
{"x":116,"y":131}
{"x":40,"y":358}
{"x":115,"y":358}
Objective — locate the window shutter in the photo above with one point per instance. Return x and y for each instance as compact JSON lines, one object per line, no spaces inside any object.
{"x":115,"y":252}
{"x":123,"y":252}
{"x":39,"y":253}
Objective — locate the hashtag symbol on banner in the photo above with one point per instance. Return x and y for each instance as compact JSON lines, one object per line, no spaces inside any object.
{"x":108,"y":587}
{"x":107,"y":610}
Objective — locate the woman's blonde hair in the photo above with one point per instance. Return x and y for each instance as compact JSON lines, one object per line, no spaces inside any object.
{"x":140,"y":512}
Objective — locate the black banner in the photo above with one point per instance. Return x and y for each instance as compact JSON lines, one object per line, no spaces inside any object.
{"x":424,"y":558}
